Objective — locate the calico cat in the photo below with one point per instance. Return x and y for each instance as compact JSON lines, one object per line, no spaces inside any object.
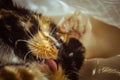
{"x":31,"y":47}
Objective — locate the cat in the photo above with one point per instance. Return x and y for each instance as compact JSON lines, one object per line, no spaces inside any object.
{"x":32,"y":47}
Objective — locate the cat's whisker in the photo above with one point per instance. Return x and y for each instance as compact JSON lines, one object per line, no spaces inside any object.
{"x":30,"y":34}
{"x":46,"y":54}
{"x":25,"y":57}
{"x":52,"y":31}
{"x":27,"y":30}
{"x":38,"y":26}
{"x":37,"y":56}
{"x":51,"y":55}
{"x":43,"y":61}
{"x":52,"y":44}
{"x":40,"y":36}
{"x":39,"y":59}
{"x":20,"y":40}
{"x":57,"y":43}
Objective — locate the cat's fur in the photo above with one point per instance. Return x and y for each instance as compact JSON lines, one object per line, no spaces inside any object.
{"x":28,"y":40}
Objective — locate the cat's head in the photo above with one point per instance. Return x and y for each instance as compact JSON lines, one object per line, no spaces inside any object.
{"x":35,"y":38}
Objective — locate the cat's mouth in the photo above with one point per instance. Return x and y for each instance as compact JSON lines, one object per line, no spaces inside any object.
{"x":49,"y":64}
{"x":52,"y":64}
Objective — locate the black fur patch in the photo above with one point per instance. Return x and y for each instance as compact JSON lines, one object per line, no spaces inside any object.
{"x":71,"y":57}
{"x":12,"y":29}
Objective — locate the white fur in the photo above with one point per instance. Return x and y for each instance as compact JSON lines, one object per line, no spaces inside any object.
{"x":7,"y":54}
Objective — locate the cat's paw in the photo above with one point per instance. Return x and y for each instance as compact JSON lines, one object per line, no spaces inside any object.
{"x":71,"y":58}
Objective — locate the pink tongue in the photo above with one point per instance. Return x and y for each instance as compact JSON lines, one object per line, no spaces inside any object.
{"x":52,"y":64}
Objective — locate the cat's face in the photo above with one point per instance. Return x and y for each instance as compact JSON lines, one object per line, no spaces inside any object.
{"x":36,"y":33}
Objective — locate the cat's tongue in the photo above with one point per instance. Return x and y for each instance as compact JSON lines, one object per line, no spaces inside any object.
{"x":51,"y":64}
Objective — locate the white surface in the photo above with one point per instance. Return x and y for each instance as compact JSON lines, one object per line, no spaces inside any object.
{"x":105,"y":10}
{"x":46,"y":7}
